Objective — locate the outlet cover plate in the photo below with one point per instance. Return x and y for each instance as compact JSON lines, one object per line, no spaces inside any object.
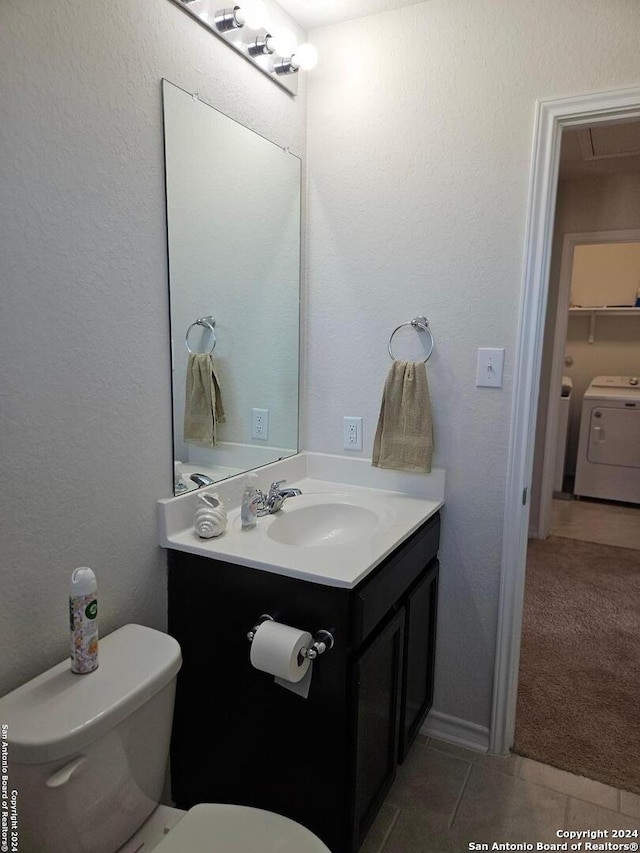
{"x":352,"y":429}
{"x":260,"y":424}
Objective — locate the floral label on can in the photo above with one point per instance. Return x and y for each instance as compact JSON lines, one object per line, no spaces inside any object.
{"x":83,"y":613}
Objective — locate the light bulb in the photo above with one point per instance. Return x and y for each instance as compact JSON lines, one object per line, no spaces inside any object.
{"x":253,"y":14}
{"x":305,"y":57}
{"x":283,"y":42}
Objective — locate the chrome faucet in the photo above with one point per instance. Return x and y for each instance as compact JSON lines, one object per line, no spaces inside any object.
{"x":273,"y":501}
{"x":201,"y":480}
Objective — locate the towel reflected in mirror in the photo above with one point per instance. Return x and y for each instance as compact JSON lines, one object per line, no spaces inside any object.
{"x":203,"y":409}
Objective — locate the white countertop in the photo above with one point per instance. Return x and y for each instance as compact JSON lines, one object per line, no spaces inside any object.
{"x":339,"y":564}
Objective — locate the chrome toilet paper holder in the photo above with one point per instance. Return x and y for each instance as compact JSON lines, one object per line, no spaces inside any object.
{"x":322,"y":641}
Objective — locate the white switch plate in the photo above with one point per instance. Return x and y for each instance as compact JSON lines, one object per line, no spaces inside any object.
{"x":352,"y":433}
{"x":490,"y":367}
{"x":260,"y":424}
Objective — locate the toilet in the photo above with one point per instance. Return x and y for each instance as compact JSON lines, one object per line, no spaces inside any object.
{"x":87,"y":755}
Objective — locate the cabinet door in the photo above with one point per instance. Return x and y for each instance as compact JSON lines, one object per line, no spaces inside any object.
{"x":377,"y":679}
{"x":419,"y":654}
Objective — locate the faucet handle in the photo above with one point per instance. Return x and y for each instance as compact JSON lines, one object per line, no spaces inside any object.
{"x":274,"y":488}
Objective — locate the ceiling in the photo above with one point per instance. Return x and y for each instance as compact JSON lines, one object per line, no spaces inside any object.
{"x":606,"y":149}
{"x":321,"y":13}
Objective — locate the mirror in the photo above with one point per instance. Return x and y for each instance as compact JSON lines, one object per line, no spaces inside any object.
{"x":233,"y":223}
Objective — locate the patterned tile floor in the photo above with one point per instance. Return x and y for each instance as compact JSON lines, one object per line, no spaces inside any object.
{"x":445,"y":797}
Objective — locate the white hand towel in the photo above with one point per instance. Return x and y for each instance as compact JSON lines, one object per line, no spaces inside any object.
{"x":404,"y":436}
{"x":203,"y":409}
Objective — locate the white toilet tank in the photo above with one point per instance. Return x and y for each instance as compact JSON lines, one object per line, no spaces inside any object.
{"x":87,"y":754}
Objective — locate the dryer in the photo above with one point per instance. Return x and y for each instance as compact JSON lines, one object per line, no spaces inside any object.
{"x":608,"y":463}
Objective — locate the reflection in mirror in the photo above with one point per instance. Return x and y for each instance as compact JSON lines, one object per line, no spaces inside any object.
{"x":233,"y":221}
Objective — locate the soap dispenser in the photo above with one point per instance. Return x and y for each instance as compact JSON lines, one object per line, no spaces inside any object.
{"x":250,"y":502}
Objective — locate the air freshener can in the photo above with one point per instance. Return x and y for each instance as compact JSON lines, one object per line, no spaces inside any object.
{"x":83,"y":620}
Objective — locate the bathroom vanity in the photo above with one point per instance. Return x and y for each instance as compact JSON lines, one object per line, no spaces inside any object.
{"x":326,"y":761}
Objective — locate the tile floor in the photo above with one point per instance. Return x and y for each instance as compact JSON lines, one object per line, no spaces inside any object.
{"x":445,"y":797}
{"x":591,"y":521}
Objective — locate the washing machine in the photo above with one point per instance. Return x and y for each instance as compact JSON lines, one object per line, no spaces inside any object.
{"x":608,"y":464}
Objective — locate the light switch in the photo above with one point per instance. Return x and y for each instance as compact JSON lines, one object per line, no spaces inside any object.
{"x":490,"y":367}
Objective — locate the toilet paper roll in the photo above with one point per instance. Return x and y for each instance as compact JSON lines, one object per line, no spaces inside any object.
{"x":276,"y":649}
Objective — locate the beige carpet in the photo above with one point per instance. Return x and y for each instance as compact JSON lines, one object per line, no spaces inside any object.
{"x":579,"y":688}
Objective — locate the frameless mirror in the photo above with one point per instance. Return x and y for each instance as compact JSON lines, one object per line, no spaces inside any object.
{"x":233,"y":223}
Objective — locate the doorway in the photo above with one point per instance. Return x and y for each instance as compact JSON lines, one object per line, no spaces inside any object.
{"x":552,"y":117}
{"x":580,"y":651}
{"x":596,"y":328}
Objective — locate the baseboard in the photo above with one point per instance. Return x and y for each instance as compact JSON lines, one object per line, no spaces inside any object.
{"x":454,"y":730}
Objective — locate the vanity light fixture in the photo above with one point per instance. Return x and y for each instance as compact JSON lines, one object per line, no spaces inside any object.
{"x":302,"y":58}
{"x":262,"y":46}
{"x":252,"y":14}
{"x":258,"y":30}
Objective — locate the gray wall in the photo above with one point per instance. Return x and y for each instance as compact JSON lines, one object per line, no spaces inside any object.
{"x":85,"y":423}
{"x":419,"y":153}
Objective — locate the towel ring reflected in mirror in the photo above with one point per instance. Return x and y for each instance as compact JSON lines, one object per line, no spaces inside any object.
{"x":419,"y":323}
{"x":208,"y":323}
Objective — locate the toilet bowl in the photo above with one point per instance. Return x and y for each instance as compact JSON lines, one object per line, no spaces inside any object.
{"x":87,"y":755}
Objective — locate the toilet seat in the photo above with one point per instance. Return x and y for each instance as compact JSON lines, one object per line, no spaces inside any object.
{"x":223,"y":828}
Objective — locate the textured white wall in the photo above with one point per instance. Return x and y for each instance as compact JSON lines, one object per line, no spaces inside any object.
{"x":85,"y":424}
{"x":419,"y":146}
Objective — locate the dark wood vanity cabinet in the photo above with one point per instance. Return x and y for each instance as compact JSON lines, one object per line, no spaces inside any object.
{"x":326,"y":761}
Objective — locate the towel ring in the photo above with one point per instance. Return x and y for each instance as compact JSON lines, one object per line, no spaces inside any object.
{"x":419,"y":323}
{"x":208,"y":323}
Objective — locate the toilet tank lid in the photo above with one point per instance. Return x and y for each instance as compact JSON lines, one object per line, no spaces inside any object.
{"x":58,"y":713}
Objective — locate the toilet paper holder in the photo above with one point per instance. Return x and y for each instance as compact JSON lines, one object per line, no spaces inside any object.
{"x":322,"y":642}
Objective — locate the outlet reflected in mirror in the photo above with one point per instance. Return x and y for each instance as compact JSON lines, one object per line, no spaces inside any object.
{"x":233,"y":222}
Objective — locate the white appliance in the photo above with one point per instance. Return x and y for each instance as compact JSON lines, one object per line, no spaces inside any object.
{"x":563,"y":428}
{"x":608,"y":464}
{"x":87,"y":755}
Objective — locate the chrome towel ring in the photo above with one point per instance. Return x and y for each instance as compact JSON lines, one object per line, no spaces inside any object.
{"x":208,"y":323}
{"x":419,"y":323}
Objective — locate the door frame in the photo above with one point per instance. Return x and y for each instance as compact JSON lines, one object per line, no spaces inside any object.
{"x":570,"y":241}
{"x":551,"y":117}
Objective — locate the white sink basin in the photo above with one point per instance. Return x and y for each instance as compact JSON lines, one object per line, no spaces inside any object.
{"x":333,"y":533}
{"x":322,"y":524}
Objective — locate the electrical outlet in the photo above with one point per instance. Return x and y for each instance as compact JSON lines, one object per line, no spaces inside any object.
{"x":352,"y":433}
{"x":260,"y":424}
